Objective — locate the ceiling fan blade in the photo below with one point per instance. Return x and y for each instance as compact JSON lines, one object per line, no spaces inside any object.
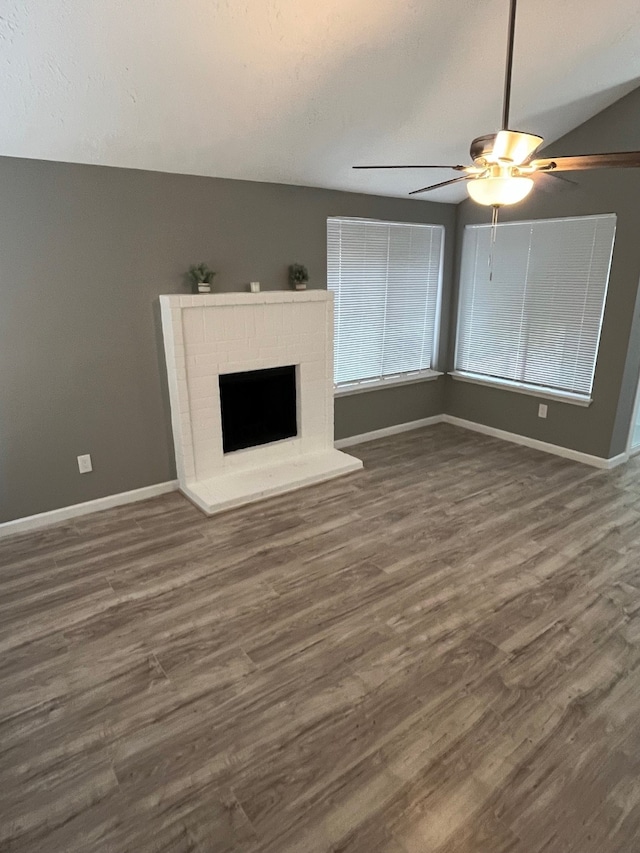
{"x":442,"y":184}
{"x":616,"y":160}
{"x":457,"y":168}
{"x":551,"y":182}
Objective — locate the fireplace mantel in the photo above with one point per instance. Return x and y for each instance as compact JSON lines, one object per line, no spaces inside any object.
{"x":213,"y":334}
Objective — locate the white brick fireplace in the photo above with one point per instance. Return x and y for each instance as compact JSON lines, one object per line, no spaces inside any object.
{"x":207,"y":336}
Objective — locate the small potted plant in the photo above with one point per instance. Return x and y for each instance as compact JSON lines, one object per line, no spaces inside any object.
{"x":298,"y":276}
{"x":201,"y":277}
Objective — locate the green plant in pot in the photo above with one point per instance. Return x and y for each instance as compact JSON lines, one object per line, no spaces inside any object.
{"x":298,"y":276}
{"x":201,"y":277}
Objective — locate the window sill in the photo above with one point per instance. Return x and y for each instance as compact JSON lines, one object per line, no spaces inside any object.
{"x":391,"y":382}
{"x":521,"y":388}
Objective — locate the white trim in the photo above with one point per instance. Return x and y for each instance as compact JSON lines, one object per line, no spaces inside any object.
{"x":437,"y":320}
{"x":521,"y":388}
{"x":514,"y":438}
{"x":548,"y":219}
{"x":376,"y":384}
{"x":54,"y":516}
{"x":536,"y":444}
{"x":174,"y":300}
{"x":360,"y":219}
{"x":383,"y":433}
{"x":631,"y":450}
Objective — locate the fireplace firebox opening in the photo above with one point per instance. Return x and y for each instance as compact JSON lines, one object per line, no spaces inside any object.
{"x":258,"y":407}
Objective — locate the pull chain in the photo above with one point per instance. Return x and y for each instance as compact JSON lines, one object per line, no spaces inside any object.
{"x":494,"y":230}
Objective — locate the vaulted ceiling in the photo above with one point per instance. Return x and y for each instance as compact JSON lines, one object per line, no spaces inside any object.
{"x":296,"y":91}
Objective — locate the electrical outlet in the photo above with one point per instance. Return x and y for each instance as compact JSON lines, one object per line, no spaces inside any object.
{"x":84,"y":463}
{"x":542,"y":410}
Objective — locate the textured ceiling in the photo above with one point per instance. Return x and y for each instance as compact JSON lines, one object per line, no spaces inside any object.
{"x":295,"y":91}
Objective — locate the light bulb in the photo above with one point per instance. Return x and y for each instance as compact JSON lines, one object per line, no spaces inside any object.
{"x":499,"y":190}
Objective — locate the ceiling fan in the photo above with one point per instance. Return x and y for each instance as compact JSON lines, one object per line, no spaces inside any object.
{"x":503,"y":169}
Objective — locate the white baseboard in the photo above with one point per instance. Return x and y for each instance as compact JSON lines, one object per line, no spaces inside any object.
{"x":614,"y":461}
{"x":515,"y":438}
{"x":382,"y":433}
{"x":536,"y":444}
{"x":44,"y":519}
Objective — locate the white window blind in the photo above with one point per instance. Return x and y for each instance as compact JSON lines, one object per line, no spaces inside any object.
{"x":386,"y":279}
{"x":538,"y":321}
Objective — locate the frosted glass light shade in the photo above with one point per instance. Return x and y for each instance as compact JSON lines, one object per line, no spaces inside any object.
{"x":499,"y":191}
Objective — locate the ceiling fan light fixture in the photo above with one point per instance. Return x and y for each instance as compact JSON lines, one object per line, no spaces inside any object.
{"x":497,"y":191}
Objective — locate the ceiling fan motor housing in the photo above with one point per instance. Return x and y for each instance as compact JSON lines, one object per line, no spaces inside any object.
{"x":507,"y":146}
{"x":482,"y":147}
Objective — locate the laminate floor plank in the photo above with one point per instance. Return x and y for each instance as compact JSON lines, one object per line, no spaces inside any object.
{"x":440,"y":653}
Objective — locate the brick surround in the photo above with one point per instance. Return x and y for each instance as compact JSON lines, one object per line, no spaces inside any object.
{"x":205,"y":336}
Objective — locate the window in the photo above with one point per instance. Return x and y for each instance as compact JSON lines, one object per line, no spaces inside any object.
{"x":386,"y":279}
{"x":536,"y":325}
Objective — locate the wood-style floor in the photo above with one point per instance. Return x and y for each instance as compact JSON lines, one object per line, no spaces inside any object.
{"x":441,"y":653}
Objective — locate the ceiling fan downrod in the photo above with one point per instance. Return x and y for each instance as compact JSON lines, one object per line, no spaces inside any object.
{"x":509,"y":65}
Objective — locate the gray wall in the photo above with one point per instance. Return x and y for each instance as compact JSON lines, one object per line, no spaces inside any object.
{"x":85,"y":251}
{"x":602,"y":428}
{"x":387,"y":407}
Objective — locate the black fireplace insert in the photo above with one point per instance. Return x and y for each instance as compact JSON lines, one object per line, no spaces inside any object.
{"x":258,"y":407}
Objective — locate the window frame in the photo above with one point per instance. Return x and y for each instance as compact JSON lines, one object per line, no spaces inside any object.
{"x":360,"y":386}
{"x":531,"y":389}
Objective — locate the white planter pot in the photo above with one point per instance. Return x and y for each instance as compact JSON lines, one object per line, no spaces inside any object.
{"x":301,"y":285}
{"x":204,"y":288}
